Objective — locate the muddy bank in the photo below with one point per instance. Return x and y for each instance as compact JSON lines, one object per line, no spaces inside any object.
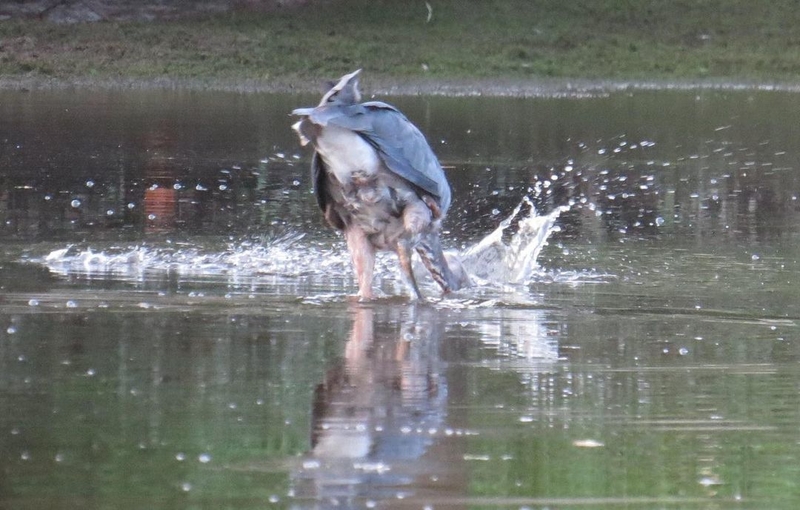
{"x":90,"y":11}
{"x":501,"y":87}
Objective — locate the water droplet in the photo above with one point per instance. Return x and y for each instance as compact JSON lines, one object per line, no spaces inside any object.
{"x":91,"y":372}
{"x":11,"y":330}
{"x":311,"y":464}
{"x":177,"y":186}
{"x":708,"y":481}
{"x":683,"y":351}
{"x":25,"y":455}
{"x":180,"y":456}
{"x":659,"y":221}
{"x":274,"y":498}
{"x":110,"y":212}
{"x":755,"y":257}
{"x":204,"y":458}
{"x":72,"y":304}
{"x":75,"y":203}
{"x":131,"y":205}
{"x":588,"y":443}
{"x":186,"y":486}
{"x":295,"y":183}
{"x":223,"y":187}
{"x":483,"y":458}
{"x":59,"y":457}
{"x":151,"y":217}
{"x":90,"y":184}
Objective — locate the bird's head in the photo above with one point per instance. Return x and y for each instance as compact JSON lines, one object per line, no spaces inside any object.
{"x":344,"y":92}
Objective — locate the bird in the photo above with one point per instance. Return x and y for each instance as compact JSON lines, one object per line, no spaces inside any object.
{"x":377,"y":180}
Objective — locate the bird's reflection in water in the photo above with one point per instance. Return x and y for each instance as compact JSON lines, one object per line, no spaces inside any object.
{"x":377,"y":412}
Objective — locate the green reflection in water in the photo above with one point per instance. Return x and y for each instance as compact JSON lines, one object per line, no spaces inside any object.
{"x":103,"y":408}
{"x":643,"y":412}
{"x":127,"y":406}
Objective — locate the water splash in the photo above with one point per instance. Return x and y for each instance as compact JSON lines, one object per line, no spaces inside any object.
{"x":512,"y":262}
{"x":507,"y":256}
{"x":285,"y":256}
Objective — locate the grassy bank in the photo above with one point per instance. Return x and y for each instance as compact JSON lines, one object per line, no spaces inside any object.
{"x":516,"y":40}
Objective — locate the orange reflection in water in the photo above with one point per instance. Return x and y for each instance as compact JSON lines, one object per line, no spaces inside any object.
{"x":160,"y":208}
{"x":160,"y":196}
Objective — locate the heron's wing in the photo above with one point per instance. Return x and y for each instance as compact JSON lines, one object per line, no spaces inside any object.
{"x":319,"y":178}
{"x":400,"y":144}
{"x":319,"y":181}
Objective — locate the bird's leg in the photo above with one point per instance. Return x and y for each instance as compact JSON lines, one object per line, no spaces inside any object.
{"x":404,"y":255}
{"x":436,"y":211}
{"x":363,"y":255}
{"x":416,"y":217}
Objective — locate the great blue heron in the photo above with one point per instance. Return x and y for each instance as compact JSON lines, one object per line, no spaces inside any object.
{"x":377,"y":180}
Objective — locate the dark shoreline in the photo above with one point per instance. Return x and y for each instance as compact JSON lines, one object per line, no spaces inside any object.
{"x":502,"y":87}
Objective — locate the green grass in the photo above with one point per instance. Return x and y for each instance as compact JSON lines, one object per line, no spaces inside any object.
{"x":503,"y":39}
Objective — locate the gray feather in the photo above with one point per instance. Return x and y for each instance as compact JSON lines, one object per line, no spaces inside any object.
{"x":401,"y":146}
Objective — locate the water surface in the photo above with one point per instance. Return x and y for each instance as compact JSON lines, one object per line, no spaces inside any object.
{"x":176,"y":328}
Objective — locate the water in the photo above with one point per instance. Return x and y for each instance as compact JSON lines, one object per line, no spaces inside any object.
{"x":177,"y":331}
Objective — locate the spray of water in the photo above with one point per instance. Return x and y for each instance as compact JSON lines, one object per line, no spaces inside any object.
{"x":507,"y":256}
{"x":493,"y":259}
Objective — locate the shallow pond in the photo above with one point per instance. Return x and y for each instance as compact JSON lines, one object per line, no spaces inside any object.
{"x":177,"y":331}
